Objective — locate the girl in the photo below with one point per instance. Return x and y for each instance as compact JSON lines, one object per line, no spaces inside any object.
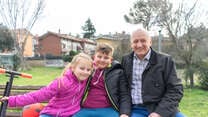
{"x":107,"y":93}
{"x":64,"y":93}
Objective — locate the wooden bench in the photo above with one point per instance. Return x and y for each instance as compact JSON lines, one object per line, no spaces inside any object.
{"x":16,"y":90}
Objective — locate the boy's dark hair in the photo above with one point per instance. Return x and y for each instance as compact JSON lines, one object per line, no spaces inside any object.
{"x":104,"y":48}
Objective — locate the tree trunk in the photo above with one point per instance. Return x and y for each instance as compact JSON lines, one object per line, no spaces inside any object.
{"x":191,"y":76}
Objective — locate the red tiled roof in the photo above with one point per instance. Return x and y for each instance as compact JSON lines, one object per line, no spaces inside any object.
{"x":65,"y":36}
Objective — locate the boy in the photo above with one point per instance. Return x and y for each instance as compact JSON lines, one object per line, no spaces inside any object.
{"x":107,"y":91}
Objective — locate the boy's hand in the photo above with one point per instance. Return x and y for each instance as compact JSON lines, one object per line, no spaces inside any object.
{"x":154,"y":115}
{"x":124,"y":115}
{"x":4,"y":99}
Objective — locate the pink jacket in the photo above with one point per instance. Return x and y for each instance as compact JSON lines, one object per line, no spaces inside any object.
{"x":64,"y":95}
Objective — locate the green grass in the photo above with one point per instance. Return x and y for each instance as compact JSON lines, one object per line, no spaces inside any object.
{"x":193,"y":104}
{"x":40,"y":76}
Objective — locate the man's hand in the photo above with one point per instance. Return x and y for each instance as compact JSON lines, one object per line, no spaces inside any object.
{"x":154,"y":115}
{"x":124,"y":115}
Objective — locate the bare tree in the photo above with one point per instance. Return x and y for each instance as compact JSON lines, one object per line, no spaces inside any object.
{"x":185,"y":29}
{"x":144,"y":12}
{"x":21,"y":14}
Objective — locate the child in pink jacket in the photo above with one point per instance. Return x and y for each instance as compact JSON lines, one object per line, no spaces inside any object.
{"x":64,"y":93}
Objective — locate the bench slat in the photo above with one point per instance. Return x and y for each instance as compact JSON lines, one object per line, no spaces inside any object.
{"x":13,"y":114}
{"x":23,"y":87}
{"x":16,"y":90}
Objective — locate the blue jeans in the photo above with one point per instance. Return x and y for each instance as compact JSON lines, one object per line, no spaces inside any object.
{"x":143,"y":112}
{"x":96,"y":112}
{"x":45,"y":115}
{"x":139,"y":112}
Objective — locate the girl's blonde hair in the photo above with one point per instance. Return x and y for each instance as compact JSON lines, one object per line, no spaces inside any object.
{"x":76,"y":60}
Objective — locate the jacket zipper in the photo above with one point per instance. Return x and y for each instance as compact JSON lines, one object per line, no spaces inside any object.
{"x":86,"y":90}
{"x":109,"y":95}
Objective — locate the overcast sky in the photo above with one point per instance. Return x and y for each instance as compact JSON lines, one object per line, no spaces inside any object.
{"x":70,"y":15}
{"x":106,"y":15}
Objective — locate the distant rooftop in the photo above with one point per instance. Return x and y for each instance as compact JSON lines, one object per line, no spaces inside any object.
{"x":115,"y":36}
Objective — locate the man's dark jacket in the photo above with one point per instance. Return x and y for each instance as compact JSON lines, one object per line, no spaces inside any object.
{"x":117,"y":88}
{"x":161,"y":88}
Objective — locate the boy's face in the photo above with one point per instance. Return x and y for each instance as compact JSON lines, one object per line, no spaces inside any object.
{"x":82,"y":70}
{"x":102,"y":60}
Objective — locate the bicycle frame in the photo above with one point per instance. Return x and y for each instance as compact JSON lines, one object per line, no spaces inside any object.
{"x":8,"y":86}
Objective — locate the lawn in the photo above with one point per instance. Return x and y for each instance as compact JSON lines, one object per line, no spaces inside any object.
{"x":193,"y":104}
{"x":40,"y":76}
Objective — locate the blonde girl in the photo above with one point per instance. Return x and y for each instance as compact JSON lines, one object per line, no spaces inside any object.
{"x":64,"y":93}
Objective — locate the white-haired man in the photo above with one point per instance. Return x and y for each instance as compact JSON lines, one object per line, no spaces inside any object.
{"x":155,"y":88}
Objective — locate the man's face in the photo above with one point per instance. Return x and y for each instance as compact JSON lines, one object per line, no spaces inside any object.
{"x":140,"y":43}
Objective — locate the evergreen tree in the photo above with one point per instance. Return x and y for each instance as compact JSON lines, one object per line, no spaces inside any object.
{"x":89,"y":29}
{"x":6,"y":40}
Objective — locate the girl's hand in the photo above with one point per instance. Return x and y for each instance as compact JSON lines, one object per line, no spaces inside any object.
{"x":124,"y":115}
{"x":4,"y":99}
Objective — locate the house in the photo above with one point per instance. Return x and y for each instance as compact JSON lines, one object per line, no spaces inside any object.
{"x":111,"y":41}
{"x":114,"y":40}
{"x":24,"y":36}
{"x":57,"y":44}
{"x":36,"y":45}
{"x":7,"y":60}
{"x":88,"y":45}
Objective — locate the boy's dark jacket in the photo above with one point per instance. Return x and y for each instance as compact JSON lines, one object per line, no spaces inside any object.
{"x":161,"y":88}
{"x":117,"y":88}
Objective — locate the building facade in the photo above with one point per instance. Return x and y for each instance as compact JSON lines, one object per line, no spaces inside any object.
{"x":57,"y":44}
{"x":26,"y":41}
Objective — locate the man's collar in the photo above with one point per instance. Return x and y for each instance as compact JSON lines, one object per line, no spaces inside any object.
{"x":146,"y":57}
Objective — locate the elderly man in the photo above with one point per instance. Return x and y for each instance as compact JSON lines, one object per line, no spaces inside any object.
{"x":155,"y":88}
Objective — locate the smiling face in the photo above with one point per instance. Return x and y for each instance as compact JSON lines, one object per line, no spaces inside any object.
{"x":140,"y":43}
{"x":82,"y":69}
{"x":81,"y":66}
{"x":103,"y":56}
{"x":102,"y":60}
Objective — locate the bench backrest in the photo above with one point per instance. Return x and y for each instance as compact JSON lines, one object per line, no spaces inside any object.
{"x":16,"y":90}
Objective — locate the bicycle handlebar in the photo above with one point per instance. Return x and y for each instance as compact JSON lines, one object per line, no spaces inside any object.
{"x":24,"y":75}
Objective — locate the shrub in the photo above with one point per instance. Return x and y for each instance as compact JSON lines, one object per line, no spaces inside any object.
{"x":68,"y":58}
{"x":203,"y":75}
{"x":16,"y":59}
